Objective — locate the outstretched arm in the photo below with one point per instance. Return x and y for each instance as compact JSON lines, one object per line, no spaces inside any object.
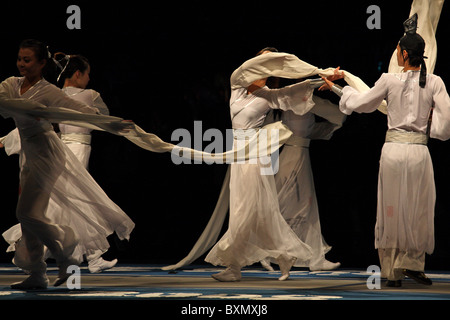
{"x":361,"y":102}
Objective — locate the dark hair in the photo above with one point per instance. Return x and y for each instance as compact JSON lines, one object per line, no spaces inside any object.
{"x":69,"y":64}
{"x":414,"y":45}
{"x":271,"y":49}
{"x":42,"y":53}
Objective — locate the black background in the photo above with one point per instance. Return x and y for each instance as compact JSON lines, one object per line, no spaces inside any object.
{"x":167,"y":64}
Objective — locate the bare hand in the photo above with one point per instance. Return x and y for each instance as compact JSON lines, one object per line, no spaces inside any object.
{"x":327,"y":86}
{"x":337,"y":75}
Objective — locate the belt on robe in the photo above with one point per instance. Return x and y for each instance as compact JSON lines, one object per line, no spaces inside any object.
{"x":245,"y":134}
{"x":297,"y":141}
{"x":77,"y":138}
{"x":255,"y":142}
{"x":408,"y":137}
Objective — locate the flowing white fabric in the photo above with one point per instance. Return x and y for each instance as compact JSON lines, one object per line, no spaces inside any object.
{"x":11,"y":142}
{"x":266,"y":141}
{"x":77,"y":140}
{"x":273,"y":135}
{"x":297,"y":199}
{"x":284,"y":65}
{"x":294,"y":180}
{"x":256,"y":229}
{"x":51,"y":171}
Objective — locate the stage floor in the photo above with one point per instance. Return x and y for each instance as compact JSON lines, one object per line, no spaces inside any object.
{"x":150,"y":282}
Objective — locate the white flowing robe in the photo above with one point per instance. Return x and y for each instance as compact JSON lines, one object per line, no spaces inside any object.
{"x":406,"y":190}
{"x":77,"y":139}
{"x":51,"y":171}
{"x":256,"y":228}
{"x":294,"y":180}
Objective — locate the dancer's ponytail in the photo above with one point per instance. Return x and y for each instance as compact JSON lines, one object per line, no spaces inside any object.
{"x":423,"y":73}
{"x":68,"y":65}
{"x":414,"y":45}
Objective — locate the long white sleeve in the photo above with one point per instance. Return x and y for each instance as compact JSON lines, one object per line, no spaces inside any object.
{"x":6,"y":92}
{"x":296,"y":97}
{"x":11,"y":142}
{"x":57,"y":98}
{"x":99,"y":103}
{"x":363,"y":102}
{"x":274,"y":64}
{"x":331,"y":113}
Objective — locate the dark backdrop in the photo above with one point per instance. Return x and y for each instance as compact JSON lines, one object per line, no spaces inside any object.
{"x":165,"y":65}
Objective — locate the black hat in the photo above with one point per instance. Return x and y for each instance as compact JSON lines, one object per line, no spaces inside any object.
{"x":410,"y":24}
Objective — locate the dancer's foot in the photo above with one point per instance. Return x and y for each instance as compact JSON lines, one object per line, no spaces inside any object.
{"x":63,"y":275}
{"x":285,"y":264}
{"x":33,"y":282}
{"x":266,"y":265}
{"x":64,"y":255}
{"x":417,"y":276}
{"x":98,"y":265}
{"x":228,"y":275}
{"x":325,"y":265}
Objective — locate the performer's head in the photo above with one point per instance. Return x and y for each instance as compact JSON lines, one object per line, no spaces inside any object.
{"x":266,"y":50}
{"x":411,"y":49}
{"x":34,"y":60}
{"x":75,"y":70}
{"x":271,"y":82}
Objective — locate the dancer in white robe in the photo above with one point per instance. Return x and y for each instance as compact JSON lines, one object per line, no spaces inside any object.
{"x":50,"y":170}
{"x":404,"y":231}
{"x":75,"y":78}
{"x":294,"y":179}
{"x":295,"y":182}
{"x":257,"y":230}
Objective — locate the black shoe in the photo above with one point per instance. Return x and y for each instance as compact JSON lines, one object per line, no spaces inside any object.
{"x":394,"y":283}
{"x":417,"y":276}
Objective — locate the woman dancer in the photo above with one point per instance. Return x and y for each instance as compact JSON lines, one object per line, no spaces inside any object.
{"x":74,"y":78}
{"x":295,"y":182}
{"x":257,"y":231}
{"x":294,"y":179}
{"x":50,"y":170}
{"x":404,"y":230}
